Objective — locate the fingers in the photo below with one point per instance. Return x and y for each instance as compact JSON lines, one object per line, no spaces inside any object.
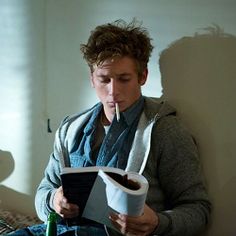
{"x":68,"y":210}
{"x":140,"y":226}
{"x":128,"y":225}
{"x":62,"y":207}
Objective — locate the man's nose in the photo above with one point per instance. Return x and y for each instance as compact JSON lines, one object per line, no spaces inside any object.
{"x":113,"y":87}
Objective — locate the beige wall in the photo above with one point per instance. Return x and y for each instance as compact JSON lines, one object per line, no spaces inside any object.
{"x":198,"y":77}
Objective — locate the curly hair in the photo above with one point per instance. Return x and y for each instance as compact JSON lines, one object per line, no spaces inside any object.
{"x":118,"y":39}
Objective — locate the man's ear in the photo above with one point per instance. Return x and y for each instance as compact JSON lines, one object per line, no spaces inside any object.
{"x":143,"y":78}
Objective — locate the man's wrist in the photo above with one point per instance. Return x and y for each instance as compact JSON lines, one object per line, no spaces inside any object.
{"x":164,"y":224}
{"x":51,"y":199}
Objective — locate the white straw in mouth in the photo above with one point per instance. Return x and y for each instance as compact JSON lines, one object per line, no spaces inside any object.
{"x":117,"y":112}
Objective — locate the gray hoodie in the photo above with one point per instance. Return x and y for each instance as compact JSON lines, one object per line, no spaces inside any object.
{"x":163,"y":151}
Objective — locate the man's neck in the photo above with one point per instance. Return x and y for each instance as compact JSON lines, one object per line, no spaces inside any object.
{"x":104,"y":120}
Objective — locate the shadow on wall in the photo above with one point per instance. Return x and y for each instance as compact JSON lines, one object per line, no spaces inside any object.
{"x":8,"y":196}
{"x":198,"y":78}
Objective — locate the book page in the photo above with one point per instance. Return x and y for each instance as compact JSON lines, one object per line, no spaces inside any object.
{"x":123,"y":200}
{"x":97,"y":208}
{"x":107,"y":195}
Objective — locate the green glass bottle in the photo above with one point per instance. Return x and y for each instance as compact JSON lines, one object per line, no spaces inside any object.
{"x":52,"y":224}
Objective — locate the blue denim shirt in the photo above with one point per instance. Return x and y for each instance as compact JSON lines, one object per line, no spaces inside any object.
{"x":112,"y":151}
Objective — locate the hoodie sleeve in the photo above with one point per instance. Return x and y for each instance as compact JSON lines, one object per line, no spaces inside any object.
{"x":64,"y":136}
{"x":51,"y":180}
{"x":181,"y":179}
{"x":47,"y":188}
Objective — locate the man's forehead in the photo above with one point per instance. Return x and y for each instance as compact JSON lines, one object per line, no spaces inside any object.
{"x":105,"y":64}
{"x":111,"y":73}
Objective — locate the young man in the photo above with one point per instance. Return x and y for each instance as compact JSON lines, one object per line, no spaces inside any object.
{"x":145,"y":134}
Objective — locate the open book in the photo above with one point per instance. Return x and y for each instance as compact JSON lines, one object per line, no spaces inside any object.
{"x":98,"y":191}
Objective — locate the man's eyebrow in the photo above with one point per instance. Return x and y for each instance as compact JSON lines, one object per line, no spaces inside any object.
{"x":101,"y":74}
{"x":126,"y":73}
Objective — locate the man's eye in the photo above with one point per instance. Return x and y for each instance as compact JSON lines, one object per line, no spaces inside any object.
{"x":124,"y":79}
{"x":104,"y":80}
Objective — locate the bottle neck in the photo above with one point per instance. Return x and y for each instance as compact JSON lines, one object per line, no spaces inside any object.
{"x":52,"y":225}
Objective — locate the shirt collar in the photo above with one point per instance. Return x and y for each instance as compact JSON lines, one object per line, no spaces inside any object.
{"x":133,"y":111}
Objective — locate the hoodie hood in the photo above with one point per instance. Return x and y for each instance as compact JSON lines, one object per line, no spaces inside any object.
{"x":154,"y":110}
{"x":157,"y":107}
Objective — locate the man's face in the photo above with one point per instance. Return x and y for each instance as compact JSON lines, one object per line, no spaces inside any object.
{"x":116,"y":81}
